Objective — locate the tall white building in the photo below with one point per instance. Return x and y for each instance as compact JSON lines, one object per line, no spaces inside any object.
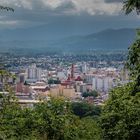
{"x":102,"y":83}
{"x":84,"y":68}
{"x":33,"y":73}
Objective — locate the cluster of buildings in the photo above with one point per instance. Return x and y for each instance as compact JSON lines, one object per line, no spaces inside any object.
{"x":33,"y":83}
{"x":43,"y":77}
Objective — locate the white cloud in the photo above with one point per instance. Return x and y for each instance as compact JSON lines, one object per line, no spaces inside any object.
{"x":92,"y":7}
{"x":97,"y":7}
{"x":34,"y":12}
{"x":53,"y":3}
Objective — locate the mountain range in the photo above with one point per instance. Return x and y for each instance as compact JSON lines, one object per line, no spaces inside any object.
{"x":41,"y":39}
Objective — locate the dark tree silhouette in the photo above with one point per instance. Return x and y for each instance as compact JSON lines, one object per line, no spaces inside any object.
{"x":132,"y":5}
{"x":6,"y":8}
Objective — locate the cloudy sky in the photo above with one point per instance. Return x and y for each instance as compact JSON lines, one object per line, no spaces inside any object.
{"x":80,"y":16}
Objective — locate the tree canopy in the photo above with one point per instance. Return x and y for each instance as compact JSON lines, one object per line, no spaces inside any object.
{"x":120,"y":117}
{"x":83,"y":109}
{"x":133,"y":63}
{"x":132,"y":5}
{"x":6,"y":8}
{"x":52,"y":120}
{"x":90,"y":94}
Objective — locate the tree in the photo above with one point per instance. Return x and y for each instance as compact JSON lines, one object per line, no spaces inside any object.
{"x":52,"y":120}
{"x":91,"y":124}
{"x":6,"y":8}
{"x":57,"y":122}
{"x":131,"y":5}
{"x":120,"y":117}
{"x":133,"y":63}
{"x":54,"y":81}
{"x":92,"y":93}
{"x":83,"y":109}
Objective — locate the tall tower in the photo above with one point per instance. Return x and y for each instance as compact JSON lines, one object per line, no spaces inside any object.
{"x":72,"y":71}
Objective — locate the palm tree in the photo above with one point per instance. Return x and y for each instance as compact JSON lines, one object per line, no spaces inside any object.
{"x":132,"y":5}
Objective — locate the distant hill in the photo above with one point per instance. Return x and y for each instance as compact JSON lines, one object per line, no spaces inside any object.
{"x":38,"y":40}
{"x":110,"y":39}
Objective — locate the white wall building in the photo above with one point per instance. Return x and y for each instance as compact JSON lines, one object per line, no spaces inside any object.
{"x":102,"y":83}
{"x":84,"y":68}
{"x":33,"y":73}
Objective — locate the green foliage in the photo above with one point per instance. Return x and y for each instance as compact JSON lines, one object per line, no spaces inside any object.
{"x":83,"y":109}
{"x":52,"y":120}
{"x":6,"y":8}
{"x":133,"y":63}
{"x":88,"y":94}
{"x":120,"y":118}
{"x":89,"y":124}
{"x":58,"y":122}
{"x":56,"y":119}
{"x":52,"y":81}
{"x":131,"y":5}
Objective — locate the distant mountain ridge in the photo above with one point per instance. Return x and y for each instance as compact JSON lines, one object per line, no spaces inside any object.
{"x":110,"y":39}
{"x":38,"y":40}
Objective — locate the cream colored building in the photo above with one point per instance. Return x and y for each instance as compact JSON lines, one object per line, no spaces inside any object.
{"x":68,"y":92}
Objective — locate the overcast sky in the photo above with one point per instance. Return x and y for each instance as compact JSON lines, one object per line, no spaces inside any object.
{"x":82,"y":16}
